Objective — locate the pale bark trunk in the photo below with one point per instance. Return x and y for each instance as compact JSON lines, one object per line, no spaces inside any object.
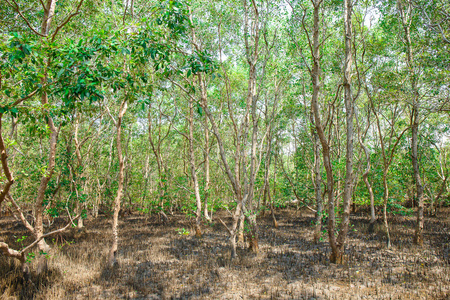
{"x":240,"y":235}
{"x":49,"y":13}
{"x":348,"y":187}
{"x":317,"y":188}
{"x":243,"y":191}
{"x":268,"y":161}
{"x":406,"y":22}
{"x":385,"y":201}
{"x":80,"y":162}
{"x":414,"y":141}
{"x":198,"y":232}
{"x":39,"y":205}
{"x":252,"y":98}
{"x":234,"y":228}
{"x":204,"y":101}
{"x":234,"y":178}
{"x":115,"y":226}
{"x":317,"y":180}
{"x":365,"y":176}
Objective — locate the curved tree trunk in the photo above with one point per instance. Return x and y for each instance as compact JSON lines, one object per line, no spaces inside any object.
{"x":39,"y":205}
{"x":115,"y":227}
{"x":5,"y":167}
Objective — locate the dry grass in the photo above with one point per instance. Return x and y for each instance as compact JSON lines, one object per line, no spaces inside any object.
{"x":156,"y":261}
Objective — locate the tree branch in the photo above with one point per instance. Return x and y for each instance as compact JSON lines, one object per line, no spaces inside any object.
{"x":17,"y":102}
{"x":67,"y":20}
{"x":223,"y":223}
{"x":17,"y":9}
{"x":19,"y":211}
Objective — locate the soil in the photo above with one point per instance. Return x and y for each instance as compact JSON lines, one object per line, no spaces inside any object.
{"x":159,"y":260}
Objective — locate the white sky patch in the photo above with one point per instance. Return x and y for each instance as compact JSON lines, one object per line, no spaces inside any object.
{"x":287,"y":7}
{"x":372,"y":17}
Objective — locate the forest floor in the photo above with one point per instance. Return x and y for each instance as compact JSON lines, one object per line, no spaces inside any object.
{"x":166,"y":261}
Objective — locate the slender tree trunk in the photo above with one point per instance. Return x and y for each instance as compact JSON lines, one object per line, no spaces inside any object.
{"x":414,"y":141}
{"x":5,"y":167}
{"x":79,"y":163}
{"x":315,"y":75}
{"x":254,"y":166}
{"x":406,"y":16}
{"x":243,"y":192}
{"x":268,"y":161}
{"x":385,"y":201}
{"x":204,"y":100}
{"x":39,"y":204}
{"x":234,"y":180}
{"x":272,"y":211}
{"x":365,"y":176}
{"x":252,"y":54}
{"x":240,"y":235}
{"x":204,"y":103}
{"x":234,"y":228}
{"x":198,"y":232}
{"x":115,"y":227}
{"x":348,"y":187}
{"x":317,"y":180}
{"x":317,"y":189}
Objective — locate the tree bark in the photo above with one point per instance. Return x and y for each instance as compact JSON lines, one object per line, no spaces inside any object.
{"x":406,"y":18}
{"x":317,"y":184}
{"x":204,"y":101}
{"x":385,"y":202}
{"x":115,"y":226}
{"x":5,"y":167}
{"x":315,"y":77}
{"x":349,"y":102}
{"x":79,"y":164}
{"x":198,"y":232}
{"x":39,"y":204}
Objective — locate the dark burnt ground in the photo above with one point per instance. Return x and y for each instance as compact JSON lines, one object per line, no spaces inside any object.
{"x":164,"y":261}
